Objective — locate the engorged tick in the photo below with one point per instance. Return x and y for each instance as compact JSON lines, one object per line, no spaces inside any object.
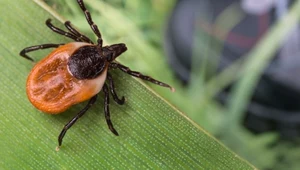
{"x":76,"y":72}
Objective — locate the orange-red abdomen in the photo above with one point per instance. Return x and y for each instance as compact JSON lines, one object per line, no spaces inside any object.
{"x":52,"y":89}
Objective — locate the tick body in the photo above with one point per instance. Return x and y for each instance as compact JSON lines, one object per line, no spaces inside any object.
{"x":52,"y":88}
{"x":76,"y":72}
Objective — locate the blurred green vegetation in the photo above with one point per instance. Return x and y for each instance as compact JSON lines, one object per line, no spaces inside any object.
{"x":143,"y":24}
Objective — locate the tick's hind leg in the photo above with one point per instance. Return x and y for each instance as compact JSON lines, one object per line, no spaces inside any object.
{"x":71,"y":122}
{"x":140,"y":75}
{"x":60,"y":31}
{"x":71,"y":34}
{"x":106,"y":110}
{"x":77,"y":33}
{"x":113,"y":91}
{"x":36,"y":47}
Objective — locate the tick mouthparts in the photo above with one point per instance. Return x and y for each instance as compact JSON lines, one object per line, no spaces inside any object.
{"x":120,"y":48}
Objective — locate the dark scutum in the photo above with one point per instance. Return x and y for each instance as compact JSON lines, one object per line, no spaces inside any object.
{"x":86,"y":63}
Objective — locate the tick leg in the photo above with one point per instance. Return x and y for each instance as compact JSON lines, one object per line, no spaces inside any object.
{"x":90,"y":21}
{"x":36,"y":47}
{"x":140,"y":75}
{"x":71,"y":122}
{"x":113,"y":91}
{"x":77,"y":33}
{"x":62,"y":32}
{"x":106,"y":110}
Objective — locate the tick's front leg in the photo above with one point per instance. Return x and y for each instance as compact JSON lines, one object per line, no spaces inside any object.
{"x":113,"y":91}
{"x":140,"y":75}
{"x":106,"y":110}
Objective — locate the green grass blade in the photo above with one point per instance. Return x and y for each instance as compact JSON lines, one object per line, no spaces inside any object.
{"x":153,"y":134}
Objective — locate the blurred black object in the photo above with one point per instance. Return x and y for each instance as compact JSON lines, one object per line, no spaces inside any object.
{"x":276,"y":101}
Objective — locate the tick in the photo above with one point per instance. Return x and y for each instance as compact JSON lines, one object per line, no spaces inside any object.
{"x":76,"y":72}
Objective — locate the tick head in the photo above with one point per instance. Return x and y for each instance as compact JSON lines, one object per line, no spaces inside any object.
{"x":113,"y":51}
